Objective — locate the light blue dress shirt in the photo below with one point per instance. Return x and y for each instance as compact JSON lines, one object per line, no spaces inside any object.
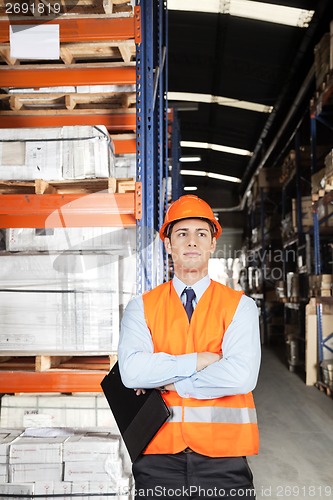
{"x":236,"y":373}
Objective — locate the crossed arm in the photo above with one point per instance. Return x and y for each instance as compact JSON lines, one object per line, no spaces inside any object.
{"x":202,"y":375}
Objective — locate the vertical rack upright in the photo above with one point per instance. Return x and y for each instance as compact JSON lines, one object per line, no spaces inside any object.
{"x":151,"y":130}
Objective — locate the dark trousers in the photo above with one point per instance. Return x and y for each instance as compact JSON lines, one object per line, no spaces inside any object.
{"x":194,"y":476}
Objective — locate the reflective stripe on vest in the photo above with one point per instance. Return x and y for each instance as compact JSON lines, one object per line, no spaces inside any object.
{"x":214,"y":414}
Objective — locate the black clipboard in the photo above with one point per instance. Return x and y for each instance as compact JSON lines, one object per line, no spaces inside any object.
{"x":138,"y":417}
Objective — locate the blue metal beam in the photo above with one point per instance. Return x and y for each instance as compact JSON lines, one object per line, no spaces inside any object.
{"x":151,"y":112}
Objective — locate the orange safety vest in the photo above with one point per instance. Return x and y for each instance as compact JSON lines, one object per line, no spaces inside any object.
{"x":219,"y":427}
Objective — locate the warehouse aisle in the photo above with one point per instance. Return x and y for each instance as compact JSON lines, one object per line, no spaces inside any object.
{"x":296,"y":429}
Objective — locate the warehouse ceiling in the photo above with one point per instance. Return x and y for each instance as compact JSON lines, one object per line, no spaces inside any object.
{"x":224,"y":60}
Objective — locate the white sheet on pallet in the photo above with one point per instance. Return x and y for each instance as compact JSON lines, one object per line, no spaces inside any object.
{"x":38,"y":42}
{"x":64,"y":272}
{"x":120,"y":241}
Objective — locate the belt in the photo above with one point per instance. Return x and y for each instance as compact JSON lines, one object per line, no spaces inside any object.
{"x":188,"y":450}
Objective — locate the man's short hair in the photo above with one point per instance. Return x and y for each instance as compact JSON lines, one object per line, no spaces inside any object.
{"x":211,"y":225}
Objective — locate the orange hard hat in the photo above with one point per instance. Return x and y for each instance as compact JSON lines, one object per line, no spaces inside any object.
{"x":189,"y":207}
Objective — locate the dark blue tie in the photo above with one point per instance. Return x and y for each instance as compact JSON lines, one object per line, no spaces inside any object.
{"x":190,"y":294}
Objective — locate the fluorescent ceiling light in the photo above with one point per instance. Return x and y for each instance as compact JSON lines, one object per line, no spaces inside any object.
{"x":223,"y":177}
{"x":190,"y":188}
{"x":199,"y":173}
{"x":280,"y":14}
{"x":211,"y":175}
{"x":189,"y":159}
{"x":215,"y":147}
{"x":222,"y":101}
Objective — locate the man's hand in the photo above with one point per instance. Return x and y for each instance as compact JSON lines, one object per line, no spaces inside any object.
{"x":205,"y":359}
{"x":140,"y":391}
{"x":169,"y":387}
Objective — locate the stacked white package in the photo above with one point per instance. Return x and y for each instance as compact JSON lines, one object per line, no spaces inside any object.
{"x":127,"y":280}
{"x":36,"y":459}
{"x":25,"y":473}
{"x":53,"y":410}
{"x":48,"y":488}
{"x":101,"y":489}
{"x":7,"y":437}
{"x":125,"y":166}
{"x":93,"y":457}
{"x":3,"y":473}
{"x":91,"y":446}
{"x":59,"y":322}
{"x":65,"y":461}
{"x":56,"y":153}
{"x":21,"y":490}
{"x":119,"y":241}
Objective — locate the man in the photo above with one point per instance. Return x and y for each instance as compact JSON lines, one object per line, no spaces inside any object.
{"x":198,"y":342}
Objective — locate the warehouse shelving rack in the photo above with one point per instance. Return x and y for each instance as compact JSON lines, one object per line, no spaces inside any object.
{"x":296,"y":185}
{"x":145,"y":207}
{"x":258,"y":254}
{"x":321,"y":112}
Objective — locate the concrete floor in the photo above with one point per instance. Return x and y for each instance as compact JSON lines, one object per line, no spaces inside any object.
{"x":296,"y":431}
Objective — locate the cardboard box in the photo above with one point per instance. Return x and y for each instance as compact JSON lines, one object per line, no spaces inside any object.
{"x":311,"y":339}
{"x":29,"y":473}
{"x":325,"y":210}
{"x":306,"y":207}
{"x":93,"y":471}
{"x":55,"y":153}
{"x":53,"y":488}
{"x":3,"y":473}
{"x":46,"y":322}
{"x":56,"y":410}
{"x":37,"y":450}
{"x":7,"y":437}
{"x":318,"y":181}
{"x":322,"y":59}
{"x":269,"y":177}
{"x":329,"y":162}
{"x":125,"y":166}
{"x":90,"y":447}
{"x":16,"y":489}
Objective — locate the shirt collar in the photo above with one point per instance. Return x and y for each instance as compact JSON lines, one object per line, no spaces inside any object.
{"x":199,"y":287}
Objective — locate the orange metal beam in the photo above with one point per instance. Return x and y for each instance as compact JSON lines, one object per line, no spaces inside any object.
{"x":67,"y":210}
{"x":30,"y":76}
{"x":124,"y":146}
{"x":82,"y":29}
{"x":50,"y":381}
{"x":113,"y":122}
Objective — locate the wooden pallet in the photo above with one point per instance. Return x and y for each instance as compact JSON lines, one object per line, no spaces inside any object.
{"x":324,"y":388}
{"x":43,"y":362}
{"x":74,"y":53}
{"x":40,"y":186}
{"x":67,"y":101}
{"x":319,"y":194}
{"x":39,"y":8}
